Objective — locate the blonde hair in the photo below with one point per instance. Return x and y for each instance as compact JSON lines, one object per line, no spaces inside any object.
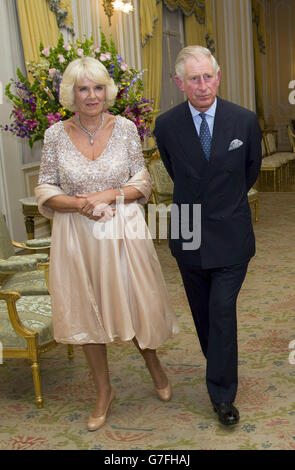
{"x":195,"y":52}
{"x":77,"y":70}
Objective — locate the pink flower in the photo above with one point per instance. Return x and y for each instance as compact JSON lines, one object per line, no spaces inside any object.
{"x":124,"y":67}
{"x":51,"y":72}
{"x":67,"y":46}
{"x":97,"y":50}
{"x":30,"y":123}
{"x":19,"y":114}
{"x":103,"y":57}
{"x":61,"y":58}
{"x":80,"y":52}
{"x":52,"y":118}
{"x":46,"y":51}
{"x":108,"y":55}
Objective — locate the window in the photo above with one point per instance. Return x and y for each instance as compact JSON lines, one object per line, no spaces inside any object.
{"x":173,"y":42}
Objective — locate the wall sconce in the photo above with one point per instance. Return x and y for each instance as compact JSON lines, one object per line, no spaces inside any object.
{"x":120,"y":5}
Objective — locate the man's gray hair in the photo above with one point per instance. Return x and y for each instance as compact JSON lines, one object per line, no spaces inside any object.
{"x":195,"y":52}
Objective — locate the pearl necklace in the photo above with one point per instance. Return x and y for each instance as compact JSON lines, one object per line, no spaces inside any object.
{"x":91,"y":134}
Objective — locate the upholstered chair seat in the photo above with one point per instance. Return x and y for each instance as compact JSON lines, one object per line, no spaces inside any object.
{"x":26,"y":331}
{"x":26,"y":283}
{"x":35,"y":314}
{"x":270,"y":162}
{"x":21,"y":273}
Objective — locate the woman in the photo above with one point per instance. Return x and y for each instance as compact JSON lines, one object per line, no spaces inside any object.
{"x":102,"y":287}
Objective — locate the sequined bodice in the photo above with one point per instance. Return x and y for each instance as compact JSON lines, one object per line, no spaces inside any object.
{"x":65,"y":166}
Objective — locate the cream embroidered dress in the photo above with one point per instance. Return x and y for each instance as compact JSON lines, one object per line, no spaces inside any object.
{"x":103,"y":287}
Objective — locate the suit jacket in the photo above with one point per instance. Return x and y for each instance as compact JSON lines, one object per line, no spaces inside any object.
{"x":220,"y":185}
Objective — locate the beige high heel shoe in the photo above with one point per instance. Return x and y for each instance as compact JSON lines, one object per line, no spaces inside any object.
{"x":97,"y":423}
{"x":165,"y":393}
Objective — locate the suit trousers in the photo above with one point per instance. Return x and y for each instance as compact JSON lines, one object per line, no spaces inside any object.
{"x":212,"y":296}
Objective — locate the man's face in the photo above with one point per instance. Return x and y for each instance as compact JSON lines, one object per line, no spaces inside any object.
{"x":200,"y":82}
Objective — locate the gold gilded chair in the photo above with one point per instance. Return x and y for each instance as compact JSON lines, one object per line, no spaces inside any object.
{"x":19,"y":273}
{"x":270,"y":165}
{"x":287,"y":159}
{"x":26,"y":331}
{"x":253,"y":200}
{"x":291,"y":137}
{"x":162,"y":189}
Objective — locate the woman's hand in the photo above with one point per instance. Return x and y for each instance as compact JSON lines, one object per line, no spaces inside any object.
{"x":88,"y":202}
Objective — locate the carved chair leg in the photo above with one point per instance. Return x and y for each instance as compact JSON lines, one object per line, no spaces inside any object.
{"x":37,"y":383}
{"x":256,"y":211}
{"x":158,"y":227}
{"x":70,"y":352}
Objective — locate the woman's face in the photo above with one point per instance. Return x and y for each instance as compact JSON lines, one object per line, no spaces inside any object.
{"x":89,"y":97}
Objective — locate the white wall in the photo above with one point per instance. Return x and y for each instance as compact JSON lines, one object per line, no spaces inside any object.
{"x":11,"y":175}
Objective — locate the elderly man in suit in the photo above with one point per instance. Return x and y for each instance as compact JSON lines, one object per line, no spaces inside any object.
{"x":211,"y":148}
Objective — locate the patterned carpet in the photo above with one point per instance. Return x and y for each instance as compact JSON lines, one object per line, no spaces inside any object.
{"x":138,"y":420}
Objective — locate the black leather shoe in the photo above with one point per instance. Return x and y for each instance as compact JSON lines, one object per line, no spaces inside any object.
{"x":227,"y":413}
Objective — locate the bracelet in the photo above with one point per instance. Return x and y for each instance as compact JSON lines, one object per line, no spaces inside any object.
{"x":122,"y":193}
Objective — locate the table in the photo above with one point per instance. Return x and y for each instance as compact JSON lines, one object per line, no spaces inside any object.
{"x":30,"y":211}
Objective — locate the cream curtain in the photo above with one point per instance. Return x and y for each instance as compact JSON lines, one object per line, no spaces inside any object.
{"x":259,"y":49}
{"x":151,"y":15}
{"x":37,"y":23}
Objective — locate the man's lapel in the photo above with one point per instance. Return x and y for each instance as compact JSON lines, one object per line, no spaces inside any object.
{"x":188,"y":139}
{"x":222,"y":130}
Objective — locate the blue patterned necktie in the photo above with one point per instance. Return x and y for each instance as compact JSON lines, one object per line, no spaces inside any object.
{"x":205,"y":136}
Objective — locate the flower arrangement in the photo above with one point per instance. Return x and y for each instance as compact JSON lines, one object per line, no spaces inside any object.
{"x":36,"y":104}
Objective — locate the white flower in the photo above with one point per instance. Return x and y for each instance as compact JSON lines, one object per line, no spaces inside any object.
{"x":80,"y":52}
{"x":61,"y":58}
{"x":67,"y":46}
{"x":124,"y":67}
{"x":103,"y":57}
{"x":108,"y":55}
{"x":97,"y":50}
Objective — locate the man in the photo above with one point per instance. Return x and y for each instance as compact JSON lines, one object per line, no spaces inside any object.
{"x":211,"y":148}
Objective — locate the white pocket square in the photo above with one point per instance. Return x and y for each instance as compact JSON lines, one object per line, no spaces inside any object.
{"x":235,"y":144}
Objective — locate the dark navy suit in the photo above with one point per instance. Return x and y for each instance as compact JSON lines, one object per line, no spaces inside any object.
{"x":214,"y":273}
